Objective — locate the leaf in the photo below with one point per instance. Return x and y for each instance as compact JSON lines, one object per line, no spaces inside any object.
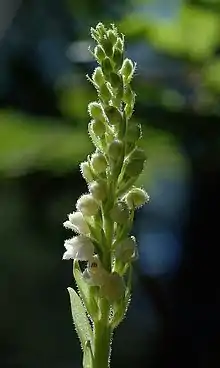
{"x":80,"y":318}
{"x":85,"y":291}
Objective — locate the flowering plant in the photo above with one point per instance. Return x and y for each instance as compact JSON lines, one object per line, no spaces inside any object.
{"x":102,"y":249}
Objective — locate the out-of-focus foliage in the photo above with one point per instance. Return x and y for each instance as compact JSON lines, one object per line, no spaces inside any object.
{"x":30,"y":143}
{"x":189,"y":35}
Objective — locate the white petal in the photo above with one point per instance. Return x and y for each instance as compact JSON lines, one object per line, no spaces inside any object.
{"x":77,"y":223}
{"x":79,"y":247}
{"x":69,"y":225}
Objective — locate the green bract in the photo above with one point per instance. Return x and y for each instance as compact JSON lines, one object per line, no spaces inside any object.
{"x":104,"y":216}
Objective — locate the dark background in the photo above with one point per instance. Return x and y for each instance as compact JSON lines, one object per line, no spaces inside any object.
{"x":173,"y":320}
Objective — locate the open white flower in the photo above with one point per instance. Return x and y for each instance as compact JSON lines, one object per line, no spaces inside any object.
{"x":79,"y":247}
{"x":77,"y":223}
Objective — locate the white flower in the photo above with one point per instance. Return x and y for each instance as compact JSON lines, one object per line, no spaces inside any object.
{"x":77,"y":223}
{"x":87,"y":205}
{"x":79,"y":247}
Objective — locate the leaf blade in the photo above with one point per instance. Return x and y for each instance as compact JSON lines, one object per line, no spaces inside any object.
{"x":80,"y":319}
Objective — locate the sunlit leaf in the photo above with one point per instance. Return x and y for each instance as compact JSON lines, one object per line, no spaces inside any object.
{"x":80,"y":318}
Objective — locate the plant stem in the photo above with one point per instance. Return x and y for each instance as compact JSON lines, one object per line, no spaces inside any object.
{"x":102,"y":339}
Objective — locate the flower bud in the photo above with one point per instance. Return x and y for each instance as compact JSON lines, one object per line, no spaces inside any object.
{"x":98,"y":77}
{"x":113,"y":288}
{"x":112,"y":36}
{"x":107,"y":46}
{"x":77,"y":223}
{"x":134,"y":164}
{"x":115,"y":149}
{"x":129,"y":96}
{"x":118,"y":58}
{"x":126,"y":250}
{"x":99,"y":53}
{"x":129,"y":109}
{"x":114,"y":115}
{"x":120,"y":213}
{"x":137,"y":154}
{"x":87,"y":205}
{"x":100,"y":28}
{"x":104,"y":93}
{"x":86,"y":171}
{"x":98,"y":127}
{"x":136,"y":197}
{"x":98,"y":162}
{"x":119,"y":44}
{"x":127,"y":70}
{"x":94,"y":34}
{"x":79,"y":247}
{"x":98,"y":190}
{"x":134,"y":168}
{"x":106,"y":66}
{"x":115,"y":80}
{"x":96,"y":111}
{"x":133,"y":133}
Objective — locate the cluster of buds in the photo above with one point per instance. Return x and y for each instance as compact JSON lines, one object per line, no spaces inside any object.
{"x":104,"y":216}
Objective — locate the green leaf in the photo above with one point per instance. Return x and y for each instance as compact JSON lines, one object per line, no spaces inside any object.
{"x":80,"y":318}
{"x":85,"y":291}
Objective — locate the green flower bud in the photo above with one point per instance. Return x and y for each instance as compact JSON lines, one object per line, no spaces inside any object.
{"x":134,"y":168}
{"x":107,"y":46}
{"x":129,"y":96}
{"x":135,"y":163}
{"x":113,"y":287}
{"x":137,"y":154}
{"x":136,"y":197}
{"x":94,"y":34}
{"x":118,"y":58}
{"x":99,"y":53}
{"x":98,"y":190}
{"x":100,"y":28}
{"x":86,"y":171}
{"x":114,"y":115}
{"x":133,"y":133}
{"x":96,"y":111}
{"x":126,"y":250}
{"x":98,"y":77}
{"x":98,"y":162}
{"x":129,"y":109}
{"x":120,"y":213}
{"x":87,"y":205}
{"x":115,"y":80}
{"x":112,"y":36}
{"x":105,"y":93}
{"x":106,"y":66}
{"x":127,"y":70}
{"x":98,"y":128}
{"x":115,"y":149}
{"x":119,"y":44}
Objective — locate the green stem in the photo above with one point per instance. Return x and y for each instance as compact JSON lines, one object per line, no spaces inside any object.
{"x":102,"y":339}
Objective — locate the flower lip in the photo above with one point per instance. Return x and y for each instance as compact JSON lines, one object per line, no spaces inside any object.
{"x":79,"y":247}
{"x":77,"y":223}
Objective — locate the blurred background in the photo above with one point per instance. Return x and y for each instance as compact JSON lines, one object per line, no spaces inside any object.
{"x":174,"y":316}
